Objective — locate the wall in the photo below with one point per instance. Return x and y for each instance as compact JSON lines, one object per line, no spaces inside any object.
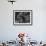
{"x":38,"y":30}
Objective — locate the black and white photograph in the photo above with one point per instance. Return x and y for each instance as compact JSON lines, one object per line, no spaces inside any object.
{"x":22,"y":17}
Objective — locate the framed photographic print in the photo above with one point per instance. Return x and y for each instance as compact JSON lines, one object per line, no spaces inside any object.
{"x":22,"y":17}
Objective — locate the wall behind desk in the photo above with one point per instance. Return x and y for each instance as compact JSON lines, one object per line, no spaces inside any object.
{"x":38,"y":29}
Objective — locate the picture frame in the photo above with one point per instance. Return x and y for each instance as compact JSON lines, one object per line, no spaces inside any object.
{"x":22,"y":17}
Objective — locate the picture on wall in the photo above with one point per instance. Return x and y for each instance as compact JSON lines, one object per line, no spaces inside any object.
{"x":22,"y":17}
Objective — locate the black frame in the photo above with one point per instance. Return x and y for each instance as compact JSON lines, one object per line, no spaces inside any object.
{"x":23,"y":10}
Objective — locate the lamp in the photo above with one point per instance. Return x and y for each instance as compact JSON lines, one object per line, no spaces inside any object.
{"x":12,"y":1}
